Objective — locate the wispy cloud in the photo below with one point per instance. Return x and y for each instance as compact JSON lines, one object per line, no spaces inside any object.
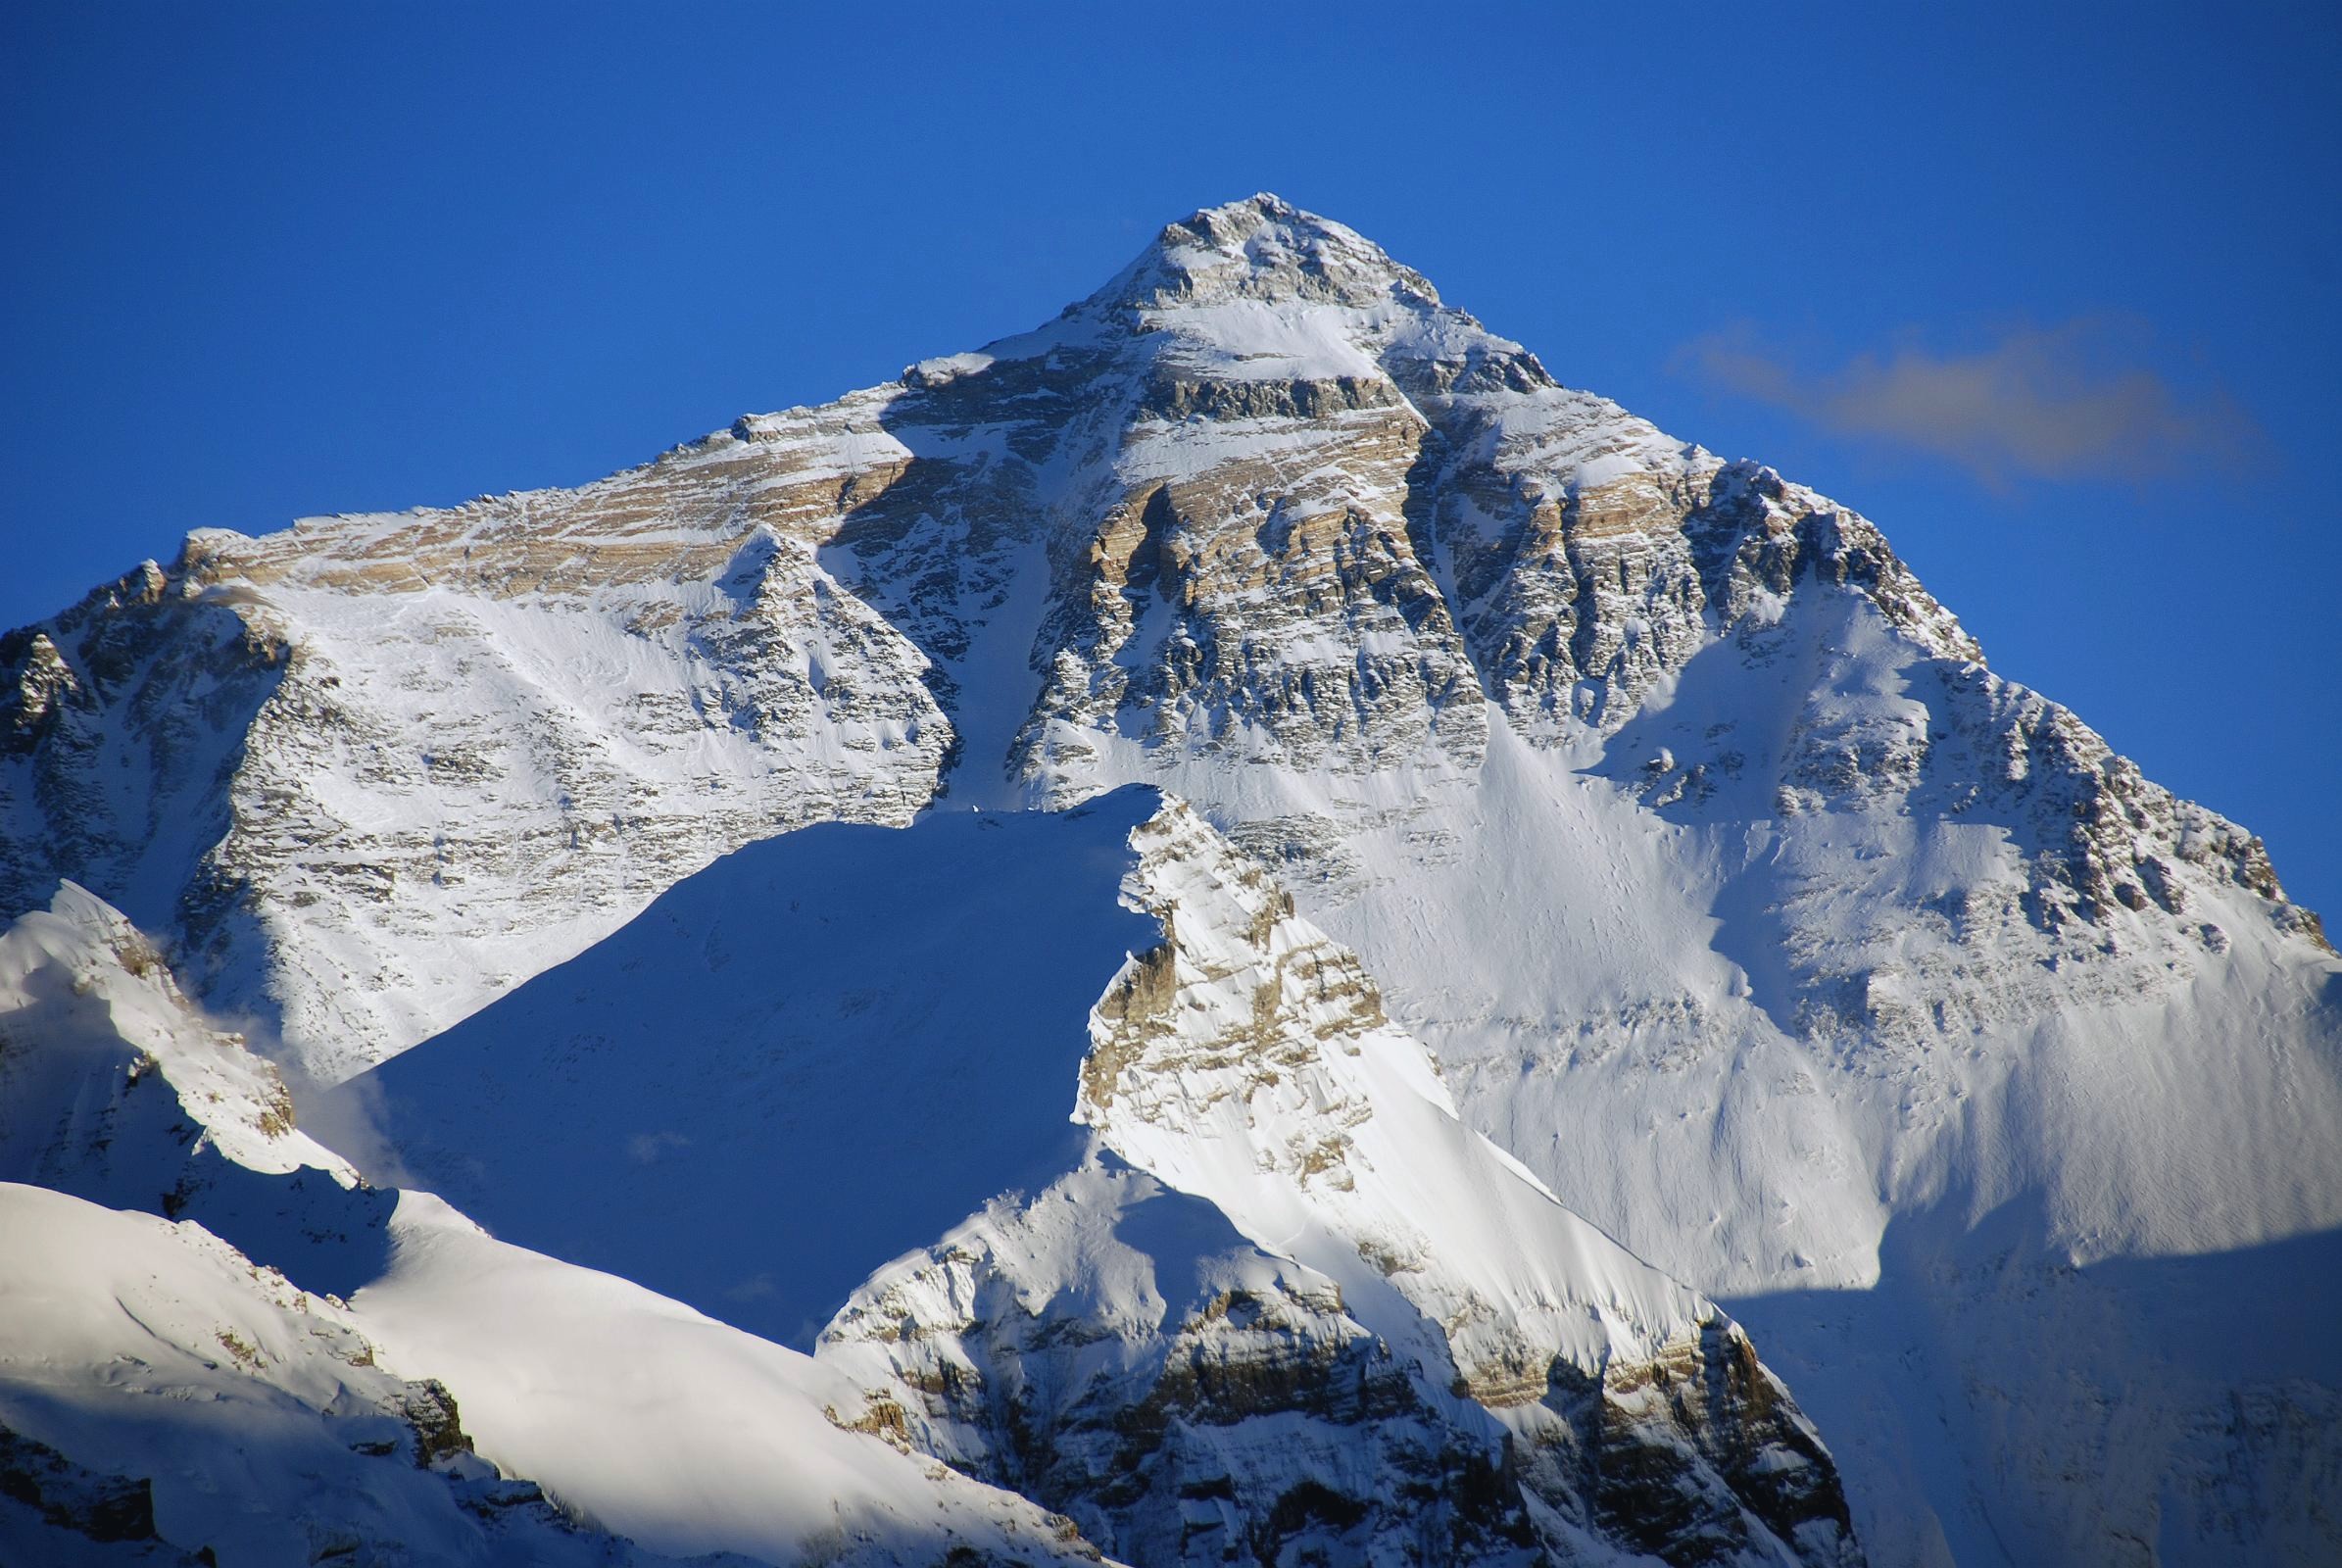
{"x":647,"y":1148}
{"x":2055,"y":403}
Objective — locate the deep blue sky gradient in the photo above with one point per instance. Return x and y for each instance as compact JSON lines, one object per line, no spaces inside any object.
{"x":270,"y":261}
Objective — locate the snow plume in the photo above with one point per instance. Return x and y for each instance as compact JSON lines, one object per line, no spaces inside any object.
{"x":2066,"y":402}
{"x":349,"y":1119}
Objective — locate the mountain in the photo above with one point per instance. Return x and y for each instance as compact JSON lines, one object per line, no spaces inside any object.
{"x":1997,"y":1089}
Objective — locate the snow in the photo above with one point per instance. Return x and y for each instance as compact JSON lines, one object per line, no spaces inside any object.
{"x":1418,"y":1184}
{"x":847,"y":982}
{"x":150,"y":1348}
{"x":141,"y":1348}
{"x":1646,"y":1066}
{"x":870,"y":1057}
{"x":907,"y":1006}
{"x":1256,"y":340}
{"x":97,"y":997}
{"x":679,"y":1431}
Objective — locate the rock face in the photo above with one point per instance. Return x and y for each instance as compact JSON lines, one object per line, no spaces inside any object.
{"x":1735,"y":895}
{"x":360,"y":826}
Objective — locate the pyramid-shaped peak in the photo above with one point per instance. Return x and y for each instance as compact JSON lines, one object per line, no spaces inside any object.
{"x":1265,"y":248}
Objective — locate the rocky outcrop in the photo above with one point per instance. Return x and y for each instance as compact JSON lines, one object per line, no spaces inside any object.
{"x":69,"y":1497}
{"x":1290,"y":1308}
{"x":1242,"y":1416}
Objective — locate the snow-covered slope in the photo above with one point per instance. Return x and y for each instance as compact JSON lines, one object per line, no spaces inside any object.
{"x":677,"y":1430}
{"x":820,"y":1053}
{"x":162,"y":1391}
{"x":160,"y":1395}
{"x":369,"y":782}
{"x":1276,"y":1299}
{"x":1735,"y":895}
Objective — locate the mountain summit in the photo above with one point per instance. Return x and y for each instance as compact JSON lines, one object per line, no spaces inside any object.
{"x":1265,"y":249}
{"x":1736,"y":897}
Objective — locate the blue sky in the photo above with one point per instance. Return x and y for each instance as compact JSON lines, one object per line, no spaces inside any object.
{"x":2053,"y":297}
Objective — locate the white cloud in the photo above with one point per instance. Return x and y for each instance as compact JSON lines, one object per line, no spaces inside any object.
{"x":646,"y":1147}
{"x":2055,"y":403}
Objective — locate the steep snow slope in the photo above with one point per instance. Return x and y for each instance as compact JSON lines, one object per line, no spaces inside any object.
{"x":162,"y":1391}
{"x":158,"y":1391}
{"x":1276,"y":1301}
{"x":370,"y":775}
{"x":820,"y":1053}
{"x":1774,"y":931}
{"x":677,"y":1430}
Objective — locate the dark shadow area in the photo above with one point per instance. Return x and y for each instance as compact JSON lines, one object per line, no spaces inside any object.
{"x":318,"y":1233}
{"x":822,"y":1051}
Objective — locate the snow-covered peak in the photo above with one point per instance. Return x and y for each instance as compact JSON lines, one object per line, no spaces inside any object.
{"x":1259,"y":290}
{"x":1732,"y":891}
{"x":1264,"y":248}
